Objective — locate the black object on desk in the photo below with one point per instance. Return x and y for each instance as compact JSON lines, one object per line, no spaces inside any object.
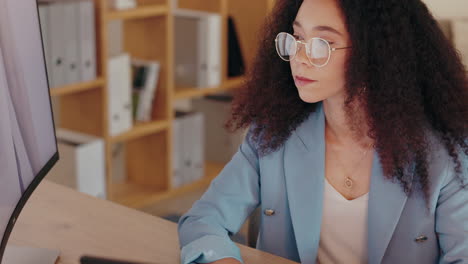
{"x":98,"y":260}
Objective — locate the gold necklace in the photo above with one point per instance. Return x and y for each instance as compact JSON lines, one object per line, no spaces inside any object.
{"x":349,"y":183}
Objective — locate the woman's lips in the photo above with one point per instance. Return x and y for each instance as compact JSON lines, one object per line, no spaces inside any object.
{"x":302,"y":81}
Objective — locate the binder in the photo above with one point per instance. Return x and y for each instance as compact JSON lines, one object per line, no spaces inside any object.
{"x":186,"y":56}
{"x":57,"y":40}
{"x":188,"y":153}
{"x":198,"y":64}
{"x":82,"y":164}
{"x":69,"y":26}
{"x":87,"y":38}
{"x":213,"y":50}
{"x":177,"y":151}
{"x":203,"y":50}
{"x":119,"y":94}
{"x":194,"y":147}
{"x":44,"y":19}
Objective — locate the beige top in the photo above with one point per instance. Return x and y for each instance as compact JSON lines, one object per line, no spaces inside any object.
{"x":343,"y":237}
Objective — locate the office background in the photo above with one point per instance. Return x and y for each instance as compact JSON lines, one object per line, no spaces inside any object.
{"x":141,"y":89}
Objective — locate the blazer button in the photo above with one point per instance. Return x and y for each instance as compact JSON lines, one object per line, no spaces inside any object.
{"x":269,"y":212}
{"x":421,"y":239}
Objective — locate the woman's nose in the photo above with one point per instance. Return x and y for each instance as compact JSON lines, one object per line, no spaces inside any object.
{"x":301,"y":55}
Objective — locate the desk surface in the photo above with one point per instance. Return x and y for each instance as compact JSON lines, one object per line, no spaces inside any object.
{"x":60,"y":218}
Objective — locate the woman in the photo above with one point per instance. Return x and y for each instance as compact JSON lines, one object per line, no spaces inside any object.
{"x":357,"y":148}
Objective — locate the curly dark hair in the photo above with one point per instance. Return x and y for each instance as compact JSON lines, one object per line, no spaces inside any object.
{"x":414,"y":77}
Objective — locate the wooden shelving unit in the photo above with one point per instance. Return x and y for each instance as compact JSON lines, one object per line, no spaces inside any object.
{"x":138,"y":13}
{"x":78,"y":87}
{"x":190,"y":92}
{"x":148,"y":34}
{"x":141,"y":129}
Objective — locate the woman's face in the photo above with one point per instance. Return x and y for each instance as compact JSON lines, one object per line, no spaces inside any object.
{"x":320,"y":18}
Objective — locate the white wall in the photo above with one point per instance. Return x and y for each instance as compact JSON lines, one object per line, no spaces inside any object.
{"x":448,"y":8}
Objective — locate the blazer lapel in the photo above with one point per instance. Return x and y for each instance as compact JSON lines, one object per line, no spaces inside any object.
{"x":386,"y":203}
{"x":304,"y":169}
{"x":304,"y":162}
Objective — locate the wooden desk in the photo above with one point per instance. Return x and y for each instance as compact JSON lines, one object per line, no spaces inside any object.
{"x":60,"y":218}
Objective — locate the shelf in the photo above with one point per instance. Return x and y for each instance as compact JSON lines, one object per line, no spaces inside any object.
{"x":140,"y":130}
{"x":138,"y":12}
{"x":139,"y":196}
{"x":76,"y":88}
{"x":188,"y":93}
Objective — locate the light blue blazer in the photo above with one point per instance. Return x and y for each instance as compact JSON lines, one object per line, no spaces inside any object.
{"x":290,"y":181}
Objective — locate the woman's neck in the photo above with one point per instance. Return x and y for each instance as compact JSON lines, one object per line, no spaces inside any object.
{"x":338,"y":130}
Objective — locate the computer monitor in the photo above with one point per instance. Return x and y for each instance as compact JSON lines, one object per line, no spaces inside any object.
{"x":28,"y":147}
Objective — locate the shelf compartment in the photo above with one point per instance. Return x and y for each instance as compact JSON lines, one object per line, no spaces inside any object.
{"x":188,"y":93}
{"x":77,"y":87}
{"x":83,"y":112}
{"x":140,"y":196}
{"x":139,"y":12}
{"x":141,"y":130}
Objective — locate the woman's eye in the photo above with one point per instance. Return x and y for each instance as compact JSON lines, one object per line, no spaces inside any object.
{"x":296,"y":37}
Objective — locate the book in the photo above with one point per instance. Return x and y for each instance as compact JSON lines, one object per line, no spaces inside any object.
{"x":145,"y":80}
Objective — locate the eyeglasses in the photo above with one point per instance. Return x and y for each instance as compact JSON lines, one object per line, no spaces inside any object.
{"x":318,"y":50}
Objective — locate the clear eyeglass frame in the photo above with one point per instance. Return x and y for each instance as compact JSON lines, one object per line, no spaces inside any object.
{"x":306,"y":45}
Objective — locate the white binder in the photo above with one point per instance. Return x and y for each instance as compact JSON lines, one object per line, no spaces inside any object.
{"x":119,"y":94}
{"x":57,"y":46}
{"x":87,"y":39}
{"x":177,"y":151}
{"x":69,"y":26}
{"x":188,"y":154}
{"x":81,"y":164}
{"x":186,"y":56}
{"x":194,"y":147}
{"x":213,"y":46}
{"x":45,"y":30}
{"x":197,"y":65}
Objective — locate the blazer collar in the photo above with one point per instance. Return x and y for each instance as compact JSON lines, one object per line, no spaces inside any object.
{"x":304,"y":168}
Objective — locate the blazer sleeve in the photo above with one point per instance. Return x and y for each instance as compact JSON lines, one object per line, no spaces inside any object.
{"x":452,"y":216}
{"x":231,"y":197}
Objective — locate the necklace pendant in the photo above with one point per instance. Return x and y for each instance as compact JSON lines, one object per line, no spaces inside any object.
{"x":349,"y":183}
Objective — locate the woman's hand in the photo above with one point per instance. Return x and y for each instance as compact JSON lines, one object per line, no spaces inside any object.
{"x":226,"y":261}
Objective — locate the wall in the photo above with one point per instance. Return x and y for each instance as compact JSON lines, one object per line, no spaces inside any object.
{"x":448,"y":8}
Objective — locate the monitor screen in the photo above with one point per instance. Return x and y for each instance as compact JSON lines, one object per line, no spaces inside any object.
{"x":27,"y":135}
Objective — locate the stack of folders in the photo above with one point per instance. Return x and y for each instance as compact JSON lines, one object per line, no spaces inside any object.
{"x":198,"y":64}
{"x":188,"y":153}
{"x":145,"y":80}
{"x":122,"y":4}
{"x":68,"y":33}
{"x":119,"y":91}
